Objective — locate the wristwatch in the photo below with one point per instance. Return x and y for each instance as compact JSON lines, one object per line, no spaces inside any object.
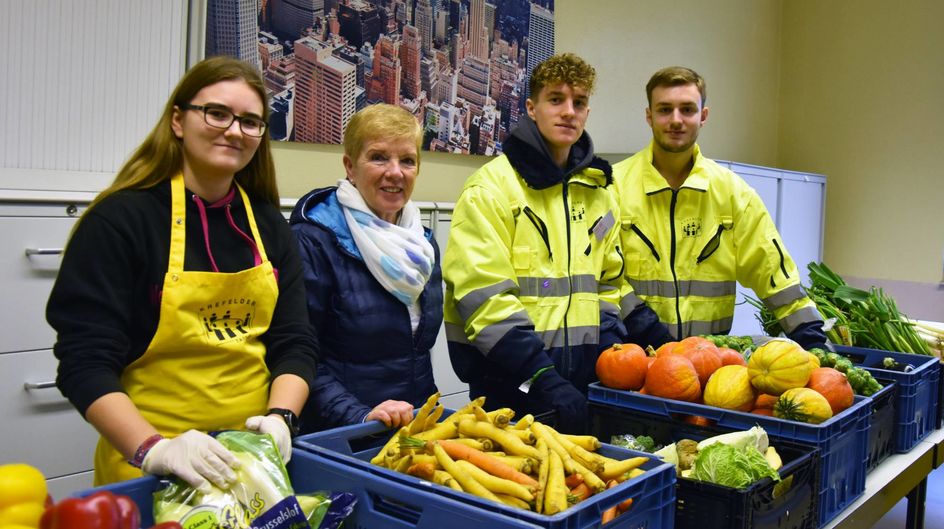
{"x":291,"y":420}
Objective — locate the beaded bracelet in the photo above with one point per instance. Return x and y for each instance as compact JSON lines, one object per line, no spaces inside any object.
{"x":142,"y":450}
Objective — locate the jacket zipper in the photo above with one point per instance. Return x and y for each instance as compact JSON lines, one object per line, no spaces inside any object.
{"x":652,"y":247}
{"x":678,"y":309}
{"x":711,"y":247}
{"x":565,"y":354}
{"x":541,"y":227}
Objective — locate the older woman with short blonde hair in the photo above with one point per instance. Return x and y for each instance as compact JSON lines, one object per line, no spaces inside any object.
{"x":373,"y":278}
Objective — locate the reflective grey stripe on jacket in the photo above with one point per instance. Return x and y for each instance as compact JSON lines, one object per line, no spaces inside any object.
{"x":784,"y":297}
{"x":692,"y":287}
{"x":697,"y":328}
{"x":541,"y":287}
{"x":551,"y":338}
{"x":544,"y":287}
{"x":790,"y":322}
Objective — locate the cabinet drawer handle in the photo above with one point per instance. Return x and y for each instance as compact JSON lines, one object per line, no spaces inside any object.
{"x":39,"y":385}
{"x":43,"y":251}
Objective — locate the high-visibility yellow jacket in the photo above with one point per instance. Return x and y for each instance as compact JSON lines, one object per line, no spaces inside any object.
{"x":686,"y":249}
{"x":533,"y":271}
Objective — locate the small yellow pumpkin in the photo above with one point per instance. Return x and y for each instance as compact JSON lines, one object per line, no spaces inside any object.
{"x":730,"y":388}
{"x":804,"y":405}
{"x":779,"y":365}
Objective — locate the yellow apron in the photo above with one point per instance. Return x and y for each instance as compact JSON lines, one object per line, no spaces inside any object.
{"x":205,"y":367}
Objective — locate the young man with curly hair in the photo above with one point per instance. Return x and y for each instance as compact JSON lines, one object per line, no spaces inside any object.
{"x":533,"y":269}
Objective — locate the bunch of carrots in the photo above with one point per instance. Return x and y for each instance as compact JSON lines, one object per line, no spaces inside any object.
{"x":526,"y":464}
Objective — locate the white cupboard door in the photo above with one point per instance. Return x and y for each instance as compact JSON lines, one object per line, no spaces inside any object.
{"x":802,"y":227}
{"x":41,"y":427}
{"x":29,"y":261}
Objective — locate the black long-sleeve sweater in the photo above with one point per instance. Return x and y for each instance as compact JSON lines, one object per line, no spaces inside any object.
{"x":105,"y":304}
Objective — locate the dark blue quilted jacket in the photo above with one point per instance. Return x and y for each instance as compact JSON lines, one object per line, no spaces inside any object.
{"x":369,"y":353}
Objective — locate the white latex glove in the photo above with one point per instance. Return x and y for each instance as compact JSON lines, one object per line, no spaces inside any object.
{"x":194,"y":457}
{"x":276,"y":427}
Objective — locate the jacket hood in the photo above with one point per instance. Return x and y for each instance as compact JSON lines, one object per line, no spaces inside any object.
{"x":528,"y":154}
{"x":321,"y":208}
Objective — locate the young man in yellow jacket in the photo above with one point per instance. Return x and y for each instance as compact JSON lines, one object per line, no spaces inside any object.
{"x":533,"y":270}
{"x":691,"y":229}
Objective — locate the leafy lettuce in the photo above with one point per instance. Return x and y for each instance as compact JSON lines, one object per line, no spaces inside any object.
{"x":732,"y":466}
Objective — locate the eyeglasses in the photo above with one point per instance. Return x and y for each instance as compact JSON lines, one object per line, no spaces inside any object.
{"x":223,"y":118}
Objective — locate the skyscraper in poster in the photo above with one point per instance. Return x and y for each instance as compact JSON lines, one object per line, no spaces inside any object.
{"x":540,"y":38}
{"x":325,"y":89}
{"x":232,"y":28}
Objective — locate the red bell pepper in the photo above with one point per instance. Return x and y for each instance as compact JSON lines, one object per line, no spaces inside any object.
{"x":102,"y":510}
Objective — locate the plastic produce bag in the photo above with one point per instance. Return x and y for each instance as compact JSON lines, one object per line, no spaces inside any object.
{"x":261,"y":497}
{"x":327,"y":510}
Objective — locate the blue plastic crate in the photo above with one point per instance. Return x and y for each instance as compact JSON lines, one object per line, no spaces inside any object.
{"x":842,"y":440}
{"x":917,"y":402}
{"x":338,"y":459}
{"x":702,"y":505}
{"x":882,"y":425}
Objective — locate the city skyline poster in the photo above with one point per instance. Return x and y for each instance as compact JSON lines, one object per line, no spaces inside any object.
{"x":460,"y":66}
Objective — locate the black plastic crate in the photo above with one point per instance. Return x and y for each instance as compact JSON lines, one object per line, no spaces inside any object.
{"x":702,"y":505}
{"x":882,"y":424}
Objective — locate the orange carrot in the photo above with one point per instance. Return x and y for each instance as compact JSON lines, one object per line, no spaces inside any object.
{"x":421,"y":470}
{"x":478,"y":458}
{"x":580,"y":492}
{"x":573,"y":480}
{"x":625,"y":505}
{"x":610,"y":514}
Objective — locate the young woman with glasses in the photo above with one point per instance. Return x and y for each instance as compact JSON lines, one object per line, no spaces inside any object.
{"x":180,"y":304}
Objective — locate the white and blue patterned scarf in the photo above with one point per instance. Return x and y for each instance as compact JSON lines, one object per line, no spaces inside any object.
{"x":398,"y":255}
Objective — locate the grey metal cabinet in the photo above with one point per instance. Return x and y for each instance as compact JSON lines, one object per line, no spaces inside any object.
{"x":796,"y":201}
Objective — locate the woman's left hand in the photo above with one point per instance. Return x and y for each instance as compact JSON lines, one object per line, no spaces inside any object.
{"x":393,"y":413}
{"x":276,"y":427}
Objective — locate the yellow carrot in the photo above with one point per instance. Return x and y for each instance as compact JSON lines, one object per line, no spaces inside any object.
{"x":514,"y":502}
{"x":418,"y":424}
{"x":613,"y":471}
{"x":509,"y":442}
{"x":443,"y":430}
{"x":544,"y":432}
{"x":501,"y":417}
{"x":587,"y":442}
{"x":391,"y":443}
{"x":496,"y":484}
{"x":543,"y":463}
{"x":524,"y":423}
{"x":480,"y":401}
{"x":555,"y":495}
{"x":434,"y":416}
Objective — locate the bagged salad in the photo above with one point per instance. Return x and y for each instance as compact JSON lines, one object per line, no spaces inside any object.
{"x":261,"y":497}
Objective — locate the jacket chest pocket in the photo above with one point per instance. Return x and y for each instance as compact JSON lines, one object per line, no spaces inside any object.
{"x":724,"y":224}
{"x":639,"y":248}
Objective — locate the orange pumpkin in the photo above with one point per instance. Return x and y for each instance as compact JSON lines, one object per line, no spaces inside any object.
{"x":730,"y":357}
{"x":702,"y":353}
{"x":698,"y":420}
{"x":765,"y":401}
{"x":763,"y":411}
{"x":622,"y":366}
{"x":666,"y":348}
{"x":833,"y":385}
{"x":673,"y":376}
